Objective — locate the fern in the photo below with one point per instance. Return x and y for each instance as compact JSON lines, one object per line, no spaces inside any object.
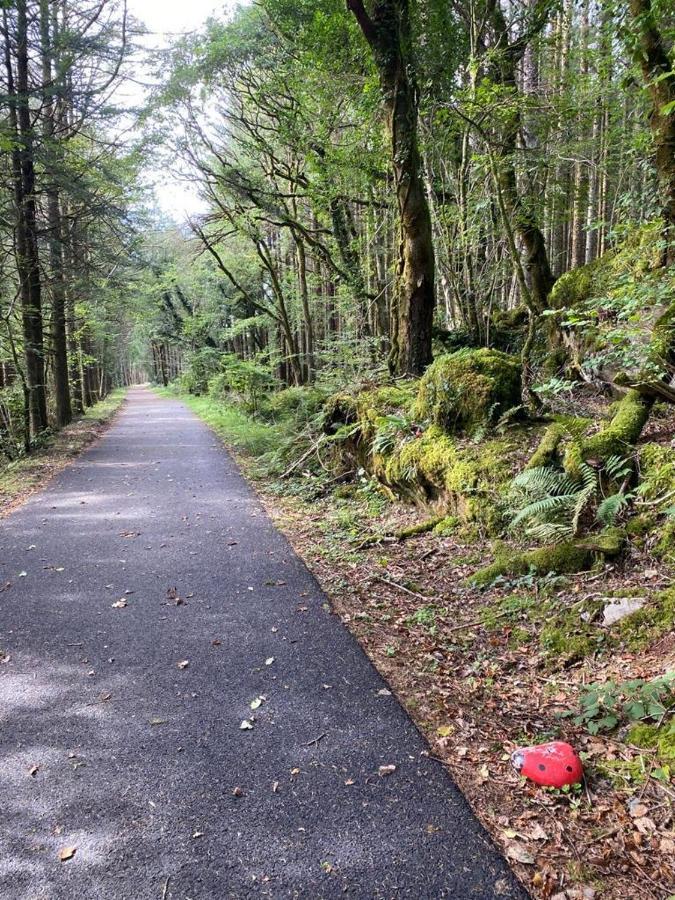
{"x":552,"y":505}
{"x":610,"y":508}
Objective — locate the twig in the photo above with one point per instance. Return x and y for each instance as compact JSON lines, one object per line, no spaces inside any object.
{"x":315,"y":446}
{"x":404,"y":589}
{"x":316,"y":739}
{"x":166,"y":887}
{"x":478,"y":622}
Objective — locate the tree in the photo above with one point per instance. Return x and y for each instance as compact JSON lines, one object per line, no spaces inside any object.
{"x":387,"y":29}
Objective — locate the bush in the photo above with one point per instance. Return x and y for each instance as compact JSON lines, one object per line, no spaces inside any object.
{"x":241,"y":381}
{"x":201,"y":366}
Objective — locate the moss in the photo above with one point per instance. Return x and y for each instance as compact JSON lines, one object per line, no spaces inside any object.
{"x":447,"y":525}
{"x":655,"y":620}
{"x":623,"y":773}
{"x":339,"y":410}
{"x":641,"y":525}
{"x":564,"y":428}
{"x":665,"y":548}
{"x":547,"y":451}
{"x":463,"y":390}
{"x":577,"y":285}
{"x":615,"y":439}
{"x":419,"y":528}
{"x":571,"y":633}
{"x":507,"y":609}
{"x":655,"y":737}
{"x":470,"y":479}
{"x":560,"y":558}
{"x":565,"y":558}
{"x":657,"y":470}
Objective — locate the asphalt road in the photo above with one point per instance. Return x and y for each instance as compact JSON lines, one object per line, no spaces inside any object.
{"x":132,"y":713}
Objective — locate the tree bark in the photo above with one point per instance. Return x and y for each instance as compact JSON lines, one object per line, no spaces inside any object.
{"x":388,"y":33}
{"x":27,"y":257}
{"x":658,"y":74}
{"x":63,"y":409}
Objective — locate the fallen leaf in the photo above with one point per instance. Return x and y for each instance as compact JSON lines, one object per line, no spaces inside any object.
{"x":275,"y":787}
{"x":349,"y":782}
{"x":119,"y":604}
{"x":246,"y":725}
{"x":67,"y":853}
{"x":237,"y":792}
{"x":645,"y":825}
{"x":157,"y":721}
{"x":386,"y":770}
{"x":537,"y":833}
{"x":384,"y":692}
{"x":255,"y":704}
{"x":638,"y":810}
{"x":216,"y":643}
{"x":33,"y":771}
{"x":295,"y":772}
{"x":183,"y":664}
{"x":445,"y":730}
{"x":269,"y":660}
{"x":198,"y":834}
{"x":23,"y":574}
{"x":518,"y":853}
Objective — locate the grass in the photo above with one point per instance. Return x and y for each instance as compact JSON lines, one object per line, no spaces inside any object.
{"x":23,"y":476}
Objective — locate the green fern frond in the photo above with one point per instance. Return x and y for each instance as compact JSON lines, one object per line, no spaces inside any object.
{"x":609,"y":509}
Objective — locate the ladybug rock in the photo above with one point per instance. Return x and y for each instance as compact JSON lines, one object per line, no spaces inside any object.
{"x":554,"y":765}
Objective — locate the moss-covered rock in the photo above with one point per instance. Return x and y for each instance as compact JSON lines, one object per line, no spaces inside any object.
{"x":463,"y":390}
{"x":577,"y":285}
{"x":462,"y":478}
{"x":468,"y":479}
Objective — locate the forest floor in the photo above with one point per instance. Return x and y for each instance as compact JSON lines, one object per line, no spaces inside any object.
{"x":485,"y":671}
{"x":22,"y":477}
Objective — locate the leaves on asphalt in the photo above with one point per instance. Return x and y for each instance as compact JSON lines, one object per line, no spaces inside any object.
{"x":119,"y":604}
{"x":66,"y":853}
{"x":246,"y":725}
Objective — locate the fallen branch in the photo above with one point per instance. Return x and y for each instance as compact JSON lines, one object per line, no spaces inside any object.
{"x":315,"y":446}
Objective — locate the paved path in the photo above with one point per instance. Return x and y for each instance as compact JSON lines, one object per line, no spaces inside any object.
{"x":139,"y":759}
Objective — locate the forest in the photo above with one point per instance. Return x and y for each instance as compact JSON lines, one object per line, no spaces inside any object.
{"x":429,"y":303}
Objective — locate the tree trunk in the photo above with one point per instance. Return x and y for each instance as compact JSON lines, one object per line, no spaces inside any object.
{"x":27,"y":258}
{"x":63,"y":408}
{"x":660,"y":79}
{"x":388,"y":33}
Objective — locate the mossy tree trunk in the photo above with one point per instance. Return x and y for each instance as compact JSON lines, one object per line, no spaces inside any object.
{"x":388,"y":33}
{"x":503,"y":71}
{"x":659,"y":76}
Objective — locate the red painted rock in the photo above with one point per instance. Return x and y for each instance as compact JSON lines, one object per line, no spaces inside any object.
{"x":554,"y":765}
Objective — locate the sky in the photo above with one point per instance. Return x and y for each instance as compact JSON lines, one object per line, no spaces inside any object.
{"x":167,"y":19}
